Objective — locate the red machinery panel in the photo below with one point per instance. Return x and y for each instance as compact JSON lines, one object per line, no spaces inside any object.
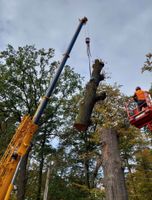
{"x":139,"y":118}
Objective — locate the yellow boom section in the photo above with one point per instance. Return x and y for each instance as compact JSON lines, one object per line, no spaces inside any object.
{"x":21,"y":140}
{"x":16,"y":149}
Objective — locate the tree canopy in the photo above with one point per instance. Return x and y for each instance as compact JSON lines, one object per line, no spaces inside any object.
{"x":74,"y":158}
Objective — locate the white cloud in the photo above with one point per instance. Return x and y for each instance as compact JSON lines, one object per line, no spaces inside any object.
{"x":120,"y":33}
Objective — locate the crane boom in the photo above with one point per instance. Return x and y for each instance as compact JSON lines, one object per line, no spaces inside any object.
{"x":10,"y":162}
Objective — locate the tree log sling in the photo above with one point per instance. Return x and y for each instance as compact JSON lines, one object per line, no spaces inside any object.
{"x":87,"y":103}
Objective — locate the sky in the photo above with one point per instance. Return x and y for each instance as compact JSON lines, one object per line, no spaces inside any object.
{"x":120,"y":32}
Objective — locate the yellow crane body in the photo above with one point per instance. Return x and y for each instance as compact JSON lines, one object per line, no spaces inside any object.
{"x":15,"y":150}
{"x":22,"y":138}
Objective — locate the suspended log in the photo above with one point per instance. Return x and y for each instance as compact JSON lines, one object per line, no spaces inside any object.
{"x":90,"y":97}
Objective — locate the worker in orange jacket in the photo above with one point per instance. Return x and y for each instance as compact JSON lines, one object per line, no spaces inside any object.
{"x":139,"y":97}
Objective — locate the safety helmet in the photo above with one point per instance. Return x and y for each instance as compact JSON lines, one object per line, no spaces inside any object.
{"x":138,"y":88}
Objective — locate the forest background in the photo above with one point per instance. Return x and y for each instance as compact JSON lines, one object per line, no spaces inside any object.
{"x":74,"y":158}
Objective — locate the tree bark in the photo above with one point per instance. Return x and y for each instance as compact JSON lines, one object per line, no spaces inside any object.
{"x":90,"y":97}
{"x":87,"y":174}
{"x":22,"y":177}
{"x":114,"y":181}
{"x":45,"y":195}
{"x":95,"y":172}
{"x":40,"y":178}
{"x":41,"y":167}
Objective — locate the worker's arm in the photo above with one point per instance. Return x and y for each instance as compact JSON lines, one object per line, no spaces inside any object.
{"x":135,"y":97}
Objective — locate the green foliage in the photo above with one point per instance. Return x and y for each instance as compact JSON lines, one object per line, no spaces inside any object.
{"x":64,"y":190}
{"x":140,"y":181}
{"x":148,"y":63}
{"x":24,"y":78}
{"x":76,"y":158}
{"x":111,"y":112}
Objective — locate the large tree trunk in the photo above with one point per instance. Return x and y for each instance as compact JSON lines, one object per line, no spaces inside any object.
{"x":114,"y":181}
{"x":22,"y":177}
{"x":95,"y":172}
{"x":40,"y":178}
{"x":41,"y":166}
{"x":90,"y":97}
{"x":46,"y":189}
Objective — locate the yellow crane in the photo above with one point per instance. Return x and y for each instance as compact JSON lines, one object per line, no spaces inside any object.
{"x":10,"y":162}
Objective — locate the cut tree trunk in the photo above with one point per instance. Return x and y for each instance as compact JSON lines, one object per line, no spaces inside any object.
{"x":114,"y":181}
{"x":90,"y":97}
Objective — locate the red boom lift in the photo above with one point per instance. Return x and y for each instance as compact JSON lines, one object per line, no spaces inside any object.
{"x":139,"y":118}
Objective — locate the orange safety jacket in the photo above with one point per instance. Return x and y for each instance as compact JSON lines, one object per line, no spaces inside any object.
{"x":140,"y":94}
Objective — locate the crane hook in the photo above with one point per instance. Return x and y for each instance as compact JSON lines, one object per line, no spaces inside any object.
{"x":87,"y":40}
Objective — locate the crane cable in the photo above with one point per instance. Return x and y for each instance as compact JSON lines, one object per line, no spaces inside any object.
{"x":87,"y":40}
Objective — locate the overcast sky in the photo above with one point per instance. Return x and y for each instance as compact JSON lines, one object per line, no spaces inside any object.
{"x":120,"y":33}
